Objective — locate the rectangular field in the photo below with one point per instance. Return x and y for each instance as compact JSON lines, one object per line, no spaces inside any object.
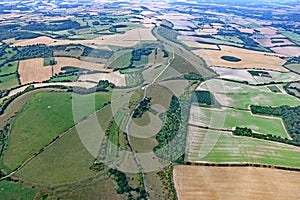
{"x":221,"y":147}
{"x":226,"y":118}
{"x":192,"y":182}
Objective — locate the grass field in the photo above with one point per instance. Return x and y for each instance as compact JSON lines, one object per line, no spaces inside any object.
{"x":230,"y":118}
{"x":6,"y":69}
{"x":71,"y":78}
{"x":121,"y":61}
{"x":8,"y":82}
{"x":244,"y":100}
{"x":50,"y":114}
{"x":220,"y":147}
{"x":235,"y":183}
{"x":12,"y":191}
{"x":294,"y":67}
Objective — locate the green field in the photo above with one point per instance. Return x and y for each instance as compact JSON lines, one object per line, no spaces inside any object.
{"x":6,"y":69}
{"x":244,"y":100}
{"x":13,"y":191}
{"x":293,"y":67}
{"x":46,"y":116}
{"x":121,"y":61}
{"x":214,"y":146}
{"x":230,"y":118}
{"x":71,"y":78}
{"x":8,"y":82}
{"x":292,"y":36}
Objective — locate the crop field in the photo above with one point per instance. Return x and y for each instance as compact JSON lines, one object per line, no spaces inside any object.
{"x":262,"y":60}
{"x":215,"y":146}
{"x":39,"y":40}
{"x":33,"y":70}
{"x":8,"y":82}
{"x":121,"y":61}
{"x":287,"y":50}
{"x":235,"y":183}
{"x":293,"y":67}
{"x":11,"y":190}
{"x":244,"y":100}
{"x":50,"y":115}
{"x":113,"y":77}
{"x":201,"y":45}
{"x":230,"y":118}
{"x":267,"y":31}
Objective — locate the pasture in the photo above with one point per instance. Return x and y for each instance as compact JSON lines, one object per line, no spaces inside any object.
{"x":227,"y":118}
{"x":235,"y":183}
{"x":50,"y":115}
{"x":8,"y":82}
{"x":11,"y":191}
{"x":221,"y":147}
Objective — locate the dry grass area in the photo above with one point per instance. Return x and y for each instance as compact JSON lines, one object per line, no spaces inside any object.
{"x":288,"y":50}
{"x":113,"y":77}
{"x":249,"y":59}
{"x":33,"y":70}
{"x":201,"y":45}
{"x":206,"y":31}
{"x":39,"y":40}
{"x":235,"y":183}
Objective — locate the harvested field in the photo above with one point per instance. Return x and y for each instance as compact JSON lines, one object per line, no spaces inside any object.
{"x":113,"y":77}
{"x":246,"y":30}
{"x":128,"y":39}
{"x":39,"y":40}
{"x":235,"y":183}
{"x":262,"y":60}
{"x":201,"y":45}
{"x":33,"y":70}
{"x":221,"y":147}
{"x":267,"y":42}
{"x":267,"y":31}
{"x":206,"y":31}
{"x":288,"y":50}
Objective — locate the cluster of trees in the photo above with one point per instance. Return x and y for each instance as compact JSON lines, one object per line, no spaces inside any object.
{"x":142,"y":107}
{"x":231,"y":58}
{"x":193,"y":76}
{"x":33,"y":51}
{"x":102,"y":86}
{"x":138,"y":53}
{"x":203,"y":97}
{"x":259,"y":73}
{"x":243,"y":131}
{"x":289,"y":115}
{"x":54,"y":26}
{"x":97,"y":53}
{"x":172,"y":136}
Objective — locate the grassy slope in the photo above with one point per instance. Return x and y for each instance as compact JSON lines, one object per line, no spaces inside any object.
{"x":46,"y":116}
{"x":12,"y":191}
{"x":8,"y":82}
{"x":230,"y":148}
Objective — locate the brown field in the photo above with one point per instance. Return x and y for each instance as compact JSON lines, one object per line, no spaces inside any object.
{"x":39,"y":40}
{"x":246,"y":30}
{"x":289,"y":50}
{"x":129,"y":38}
{"x":200,"y":45}
{"x":33,"y":70}
{"x":249,"y":59}
{"x":267,"y":31}
{"x":113,"y":77}
{"x":203,"y":182}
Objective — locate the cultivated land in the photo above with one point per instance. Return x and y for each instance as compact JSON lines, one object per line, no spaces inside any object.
{"x":262,"y":60}
{"x":235,"y":183}
{"x":227,"y":118}
{"x":221,"y":147}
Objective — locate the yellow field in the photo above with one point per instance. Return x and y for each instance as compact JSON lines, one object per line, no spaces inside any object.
{"x":200,"y":45}
{"x":33,"y":70}
{"x":235,"y":183}
{"x":128,"y":39}
{"x":39,"y":40}
{"x":249,"y":59}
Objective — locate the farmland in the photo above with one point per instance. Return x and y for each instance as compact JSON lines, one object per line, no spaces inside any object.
{"x":234,"y":183}
{"x":230,"y":118}
{"x":221,"y":147}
